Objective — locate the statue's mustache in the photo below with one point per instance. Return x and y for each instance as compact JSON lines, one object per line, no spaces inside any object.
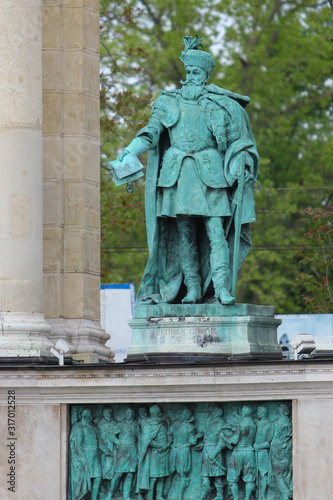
{"x":189,"y":82}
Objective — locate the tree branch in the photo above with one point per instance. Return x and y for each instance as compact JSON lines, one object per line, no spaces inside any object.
{"x":327,"y":273}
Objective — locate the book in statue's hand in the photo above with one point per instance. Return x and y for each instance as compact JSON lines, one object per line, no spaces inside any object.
{"x":127,"y":170}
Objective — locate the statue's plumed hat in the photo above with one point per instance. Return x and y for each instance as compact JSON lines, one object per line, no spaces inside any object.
{"x":192,"y":56}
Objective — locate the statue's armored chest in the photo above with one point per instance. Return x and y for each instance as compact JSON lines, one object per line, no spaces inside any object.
{"x":192,"y":131}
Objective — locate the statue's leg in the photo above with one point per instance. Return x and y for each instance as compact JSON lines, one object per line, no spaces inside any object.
{"x":152,"y":483}
{"x":218,"y":482}
{"x":183,"y":486}
{"x":168,"y":483}
{"x":159,"y":488}
{"x":189,"y":258}
{"x":115,"y":482}
{"x":263,"y":483}
{"x":205,"y":487}
{"x":249,"y":487}
{"x":219,"y":259}
{"x":96,"y":482}
{"x":234,"y":491}
{"x":127,"y":486}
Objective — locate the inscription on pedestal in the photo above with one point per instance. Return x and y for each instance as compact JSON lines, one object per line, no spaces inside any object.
{"x":194,"y":451}
{"x":200,"y":336}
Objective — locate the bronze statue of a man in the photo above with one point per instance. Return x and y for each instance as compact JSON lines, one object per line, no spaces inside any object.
{"x":202,"y":165}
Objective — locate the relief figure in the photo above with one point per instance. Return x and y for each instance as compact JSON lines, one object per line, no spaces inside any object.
{"x":242,"y":460}
{"x":108,"y":430}
{"x":280,"y":456}
{"x":261,"y":446}
{"x":127,"y":456}
{"x":184,"y":436}
{"x":154,"y":455}
{"x":85,"y":462}
{"x":213,"y":469}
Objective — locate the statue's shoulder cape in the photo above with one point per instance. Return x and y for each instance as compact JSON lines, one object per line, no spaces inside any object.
{"x":215,"y":92}
{"x":212,"y":91}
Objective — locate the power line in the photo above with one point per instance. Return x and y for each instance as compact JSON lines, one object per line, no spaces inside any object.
{"x":292,"y":188}
{"x":255,"y":248}
{"x":287,"y":212}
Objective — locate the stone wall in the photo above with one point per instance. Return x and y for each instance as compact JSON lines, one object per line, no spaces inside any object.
{"x":44,"y":396}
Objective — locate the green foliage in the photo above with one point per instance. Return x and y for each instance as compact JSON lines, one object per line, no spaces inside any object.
{"x":277,"y":52}
{"x":316,"y":262}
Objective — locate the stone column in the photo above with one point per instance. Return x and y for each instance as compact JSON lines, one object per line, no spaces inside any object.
{"x":72,"y":174}
{"x":23,"y":330}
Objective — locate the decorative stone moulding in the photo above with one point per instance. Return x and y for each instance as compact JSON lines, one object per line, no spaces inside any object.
{"x":24,"y":335}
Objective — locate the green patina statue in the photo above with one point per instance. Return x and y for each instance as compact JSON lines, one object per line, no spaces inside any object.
{"x":197,"y":451}
{"x":202,"y":165}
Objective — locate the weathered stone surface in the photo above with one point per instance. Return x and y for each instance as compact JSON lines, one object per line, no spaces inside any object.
{"x":71,"y":169}
{"x":52,"y":69}
{"x":53,"y":163}
{"x":237,"y":334}
{"x":52,"y":113}
{"x":207,"y":309}
{"x":53,"y":294}
{"x":40,"y":392}
{"x":37,"y":460}
{"x":52,"y":21}
{"x":53,"y":249}
{"x":22,"y":325}
{"x":53,"y":203}
{"x":80,"y":153}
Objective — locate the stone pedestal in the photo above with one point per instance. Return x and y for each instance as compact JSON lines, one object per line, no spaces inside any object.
{"x":205,"y":332}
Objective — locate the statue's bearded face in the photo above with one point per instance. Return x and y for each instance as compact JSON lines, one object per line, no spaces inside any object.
{"x":196,"y":78}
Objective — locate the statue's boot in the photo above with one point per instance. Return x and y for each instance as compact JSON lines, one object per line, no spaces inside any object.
{"x":219,"y":259}
{"x":205,"y":488}
{"x":221,"y":280}
{"x":225,"y":297}
{"x":189,"y":259}
{"x":219,"y":492}
{"x":234,"y":491}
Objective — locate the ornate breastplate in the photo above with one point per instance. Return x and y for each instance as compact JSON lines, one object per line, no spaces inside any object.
{"x":191,"y":133}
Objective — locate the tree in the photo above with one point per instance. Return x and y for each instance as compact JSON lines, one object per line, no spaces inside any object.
{"x":276,"y":51}
{"x":316,"y":262}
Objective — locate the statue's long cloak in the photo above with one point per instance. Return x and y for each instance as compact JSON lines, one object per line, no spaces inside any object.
{"x":163,"y":278}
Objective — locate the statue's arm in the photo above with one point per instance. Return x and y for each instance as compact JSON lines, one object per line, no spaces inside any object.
{"x":147,"y":138}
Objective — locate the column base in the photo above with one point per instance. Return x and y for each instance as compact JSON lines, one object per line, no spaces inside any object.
{"x":83,"y":335}
{"x":24,"y":335}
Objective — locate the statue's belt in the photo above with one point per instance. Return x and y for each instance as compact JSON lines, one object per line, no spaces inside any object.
{"x":192,"y":151}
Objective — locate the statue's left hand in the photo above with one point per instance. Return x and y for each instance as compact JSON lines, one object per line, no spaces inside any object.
{"x":248,"y":176}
